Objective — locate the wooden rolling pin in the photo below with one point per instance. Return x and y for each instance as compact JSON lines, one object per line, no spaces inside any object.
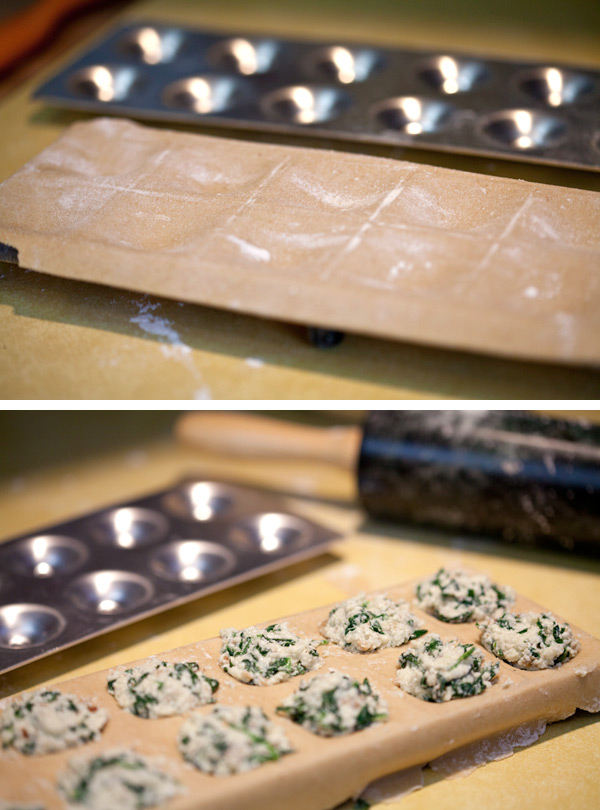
{"x":528,"y":479}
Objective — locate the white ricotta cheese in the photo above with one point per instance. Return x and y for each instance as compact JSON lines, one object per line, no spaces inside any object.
{"x":364,"y":624}
{"x":159,"y":689}
{"x":436,"y":670}
{"x":529,"y":640}
{"x":118,"y":778}
{"x":459,"y":596}
{"x":47,"y":720}
{"x":334,"y":703}
{"x":263,"y":657}
{"x":231,"y":739}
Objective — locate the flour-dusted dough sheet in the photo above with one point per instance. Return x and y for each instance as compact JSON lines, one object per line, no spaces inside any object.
{"x":322,"y":772}
{"x":324,"y":238}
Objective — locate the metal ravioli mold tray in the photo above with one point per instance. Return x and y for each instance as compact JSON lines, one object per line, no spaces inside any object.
{"x":545,"y":113}
{"x":104,"y":570}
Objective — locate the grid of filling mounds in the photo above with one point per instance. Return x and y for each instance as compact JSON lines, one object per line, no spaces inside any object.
{"x":84,"y":577}
{"x":515,"y":698}
{"x":547,"y":113}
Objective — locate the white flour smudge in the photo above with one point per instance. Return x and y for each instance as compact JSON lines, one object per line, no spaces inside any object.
{"x":334,"y":199}
{"x":465,"y":760}
{"x":160,"y":327}
{"x":249,"y":250}
{"x":136,"y":458}
{"x":172,"y":346}
{"x":254,"y":362}
{"x":146,"y":215}
{"x":310,"y":241}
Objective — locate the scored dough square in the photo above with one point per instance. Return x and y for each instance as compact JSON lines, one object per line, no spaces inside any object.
{"x":323,"y":772}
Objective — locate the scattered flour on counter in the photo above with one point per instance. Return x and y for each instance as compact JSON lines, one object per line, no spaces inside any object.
{"x":136,"y":458}
{"x":249,"y":250}
{"x":172,"y":346}
{"x":160,"y":327}
{"x":254,"y":362}
{"x":17,"y":485}
{"x":465,"y":760}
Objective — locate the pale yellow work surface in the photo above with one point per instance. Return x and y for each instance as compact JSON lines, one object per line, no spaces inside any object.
{"x":558,"y":772}
{"x":67,"y":339}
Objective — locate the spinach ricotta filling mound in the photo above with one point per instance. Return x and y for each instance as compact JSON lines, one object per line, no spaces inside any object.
{"x":47,"y":720}
{"x":529,"y":640}
{"x":458,"y":596}
{"x":231,"y":739}
{"x":159,"y":689}
{"x":333,"y":703}
{"x":264,"y":657}
{"x":118,"y":778}
{"x":436,"y":670}
{"x":363,"y":624}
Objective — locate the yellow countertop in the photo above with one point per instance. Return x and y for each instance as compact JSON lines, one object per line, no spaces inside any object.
{"x":559,"y":771}
{"x":71,"y":340}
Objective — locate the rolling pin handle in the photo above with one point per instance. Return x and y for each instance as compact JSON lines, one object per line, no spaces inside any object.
{"x":251,"y":436}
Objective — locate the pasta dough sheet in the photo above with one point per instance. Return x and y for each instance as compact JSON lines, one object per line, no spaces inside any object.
{"x":323,"y":772}
{"x":330,"y":239}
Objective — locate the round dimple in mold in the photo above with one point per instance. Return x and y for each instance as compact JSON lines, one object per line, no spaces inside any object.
{"x":450,"y":75}
{"x":341,"y":64}
{"x":555,"y":87}
{"x":151,"y":45}
{"x":243,"y":56}
{"x":413,"y":115}
{"x":28,"y":625}
{"x":272,"y":533}
{"x":46,"y":555}
{"x":201,"y":500}
{"x":205,"y":94}
{"x":193,"y":561}
{"x":105,"y":82}
{"x":524,"y":129}
{"x":110,"y":592}
{"x":304,"y":104}
{"x":128,"y":527}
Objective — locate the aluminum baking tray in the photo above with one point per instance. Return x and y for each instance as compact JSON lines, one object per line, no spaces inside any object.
{"x":76,"y":580}
{"x":453,"y":102}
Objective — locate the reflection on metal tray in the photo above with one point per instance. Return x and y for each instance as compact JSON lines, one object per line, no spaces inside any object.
{"x":76,"y":580}
{"x":546,"y":113}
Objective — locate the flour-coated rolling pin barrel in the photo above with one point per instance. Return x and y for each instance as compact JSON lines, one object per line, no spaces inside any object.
{"x":526,"y":478}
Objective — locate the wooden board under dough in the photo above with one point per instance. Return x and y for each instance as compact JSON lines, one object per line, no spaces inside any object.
{"x":331,"y":239}
{"x":324,"y":771}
